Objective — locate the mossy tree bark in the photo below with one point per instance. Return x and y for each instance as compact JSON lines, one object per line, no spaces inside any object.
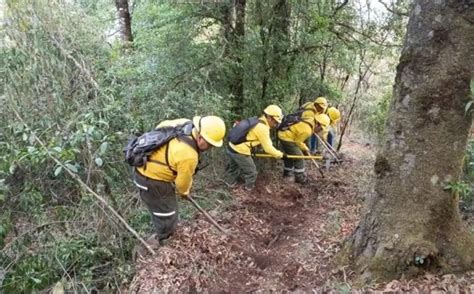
{"x":411,"y":221}
{"x":125,"y":21}
{"x":234,"y":33}
{"x":238,"y":85}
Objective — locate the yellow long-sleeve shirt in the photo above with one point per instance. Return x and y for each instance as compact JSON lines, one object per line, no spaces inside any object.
{"x":182,"y":158}
{"x":298,"y":133}
{"x":258,"y":135}
{"x":325,"y":130}
{"x":324,"y":133}
{"x":309,"y":113}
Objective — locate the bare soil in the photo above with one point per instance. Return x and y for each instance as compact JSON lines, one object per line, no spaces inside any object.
{"x":282,"y":237}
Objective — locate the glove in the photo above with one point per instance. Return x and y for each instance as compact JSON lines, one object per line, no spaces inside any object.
{"x":306,"y":152}
{"x":284,"y":156}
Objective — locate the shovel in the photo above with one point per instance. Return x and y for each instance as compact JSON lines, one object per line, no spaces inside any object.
{"x":312,"y":157}
{"x":329,"y":149}
{"x":207,"y":215}
{"x":318,"y":167}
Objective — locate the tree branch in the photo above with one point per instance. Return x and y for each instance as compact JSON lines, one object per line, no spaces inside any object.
{"x":336,"y":10}
{"x":394,"y":11}
{"x":365,"y":35}
{"x":83,"y":185}
{"x":304,"y":49}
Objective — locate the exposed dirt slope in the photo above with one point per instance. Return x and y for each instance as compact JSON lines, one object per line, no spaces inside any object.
{"x":283,"y":237}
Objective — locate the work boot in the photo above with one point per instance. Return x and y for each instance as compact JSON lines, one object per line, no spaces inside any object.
{"x":249,"y":187}
{"x":316,"y":152}
{"x":164,"y":242}
{"x":153,"y":241}
{"x":288,"y":176}
{"x":230,"y":185}
{"x":326,"y":155}
{"x":287,"y":173}
{"x":301,"y":178}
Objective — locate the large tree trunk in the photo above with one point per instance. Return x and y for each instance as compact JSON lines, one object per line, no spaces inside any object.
{"x":280,"y":30}
{"x":239,"y":36}
{"x":125,"y":22}
{"x":273,"y":18}
{"x":234,"y":34}
{"x":412,"y":221}
{"x":280,"y":41}
{"x":264,"y":38}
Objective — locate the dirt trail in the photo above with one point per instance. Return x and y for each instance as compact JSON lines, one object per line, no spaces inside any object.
{"x":283,"y":236}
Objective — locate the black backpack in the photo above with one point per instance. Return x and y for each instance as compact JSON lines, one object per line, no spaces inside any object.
{"x":139,"y":148}
{"x":238,"y":134}
{"x":293,"y":118}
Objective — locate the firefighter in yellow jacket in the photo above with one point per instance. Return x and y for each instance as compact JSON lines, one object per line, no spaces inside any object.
{"x":293,"y":140}
{"x":170,"y":170}
{"x":329,"y":133}
{"x":240,"y":160}
{"x":320,"y":106}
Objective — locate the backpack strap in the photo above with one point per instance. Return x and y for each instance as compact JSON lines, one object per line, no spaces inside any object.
{"x":155,"y":161}
{"x":260,"y":121}
{"x":186,"y":139}
{"x":299,"y":113}
{"x":190,"y":141}
{"x":304,"y":108}
{"x":166,"y":157}
{"x":309,"y":124}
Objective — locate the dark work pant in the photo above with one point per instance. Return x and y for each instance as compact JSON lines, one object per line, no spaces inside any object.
{"x":314,"y":141}
{"x":240,"y":165}
{"x":292,"y":165}
{"x":160,"y":198}
{"x":331,"y":138}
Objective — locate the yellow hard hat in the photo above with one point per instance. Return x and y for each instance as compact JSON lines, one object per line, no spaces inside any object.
{"x":321,"y":101}
{"x":211,"y":128}
{"x":322,"y":119}
{"x":334,"y":114}
{"x":274,"y":111}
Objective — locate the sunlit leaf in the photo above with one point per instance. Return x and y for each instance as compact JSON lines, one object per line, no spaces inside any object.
{"x":58,"y":288}
{"x":103,"y":147}
{"x":11,"y":169}
{"x":468,"y":106}
{"x":99,"y":161}
{"x":58,"y":170}
{"x":57,"y":149}
{"x":71,"y":167}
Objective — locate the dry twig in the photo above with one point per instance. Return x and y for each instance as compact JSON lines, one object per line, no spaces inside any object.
{"x":84,"y":186}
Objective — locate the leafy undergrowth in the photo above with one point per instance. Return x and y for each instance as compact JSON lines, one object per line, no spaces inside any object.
{"x":281,"y":237}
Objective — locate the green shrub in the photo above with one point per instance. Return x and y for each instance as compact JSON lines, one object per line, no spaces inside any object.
{"x":467,"y":185}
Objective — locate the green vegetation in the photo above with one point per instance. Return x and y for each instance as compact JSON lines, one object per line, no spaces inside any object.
{"x":81,"y":92}
{"x":466,"y":185}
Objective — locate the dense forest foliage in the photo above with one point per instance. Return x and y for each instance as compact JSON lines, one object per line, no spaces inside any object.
{"x":74,"y":89}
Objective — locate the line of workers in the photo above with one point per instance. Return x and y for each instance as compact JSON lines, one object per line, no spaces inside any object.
{"x":158,"y":183}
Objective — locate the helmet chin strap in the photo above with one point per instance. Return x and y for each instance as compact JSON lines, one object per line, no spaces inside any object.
{"x":199,"y":128}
